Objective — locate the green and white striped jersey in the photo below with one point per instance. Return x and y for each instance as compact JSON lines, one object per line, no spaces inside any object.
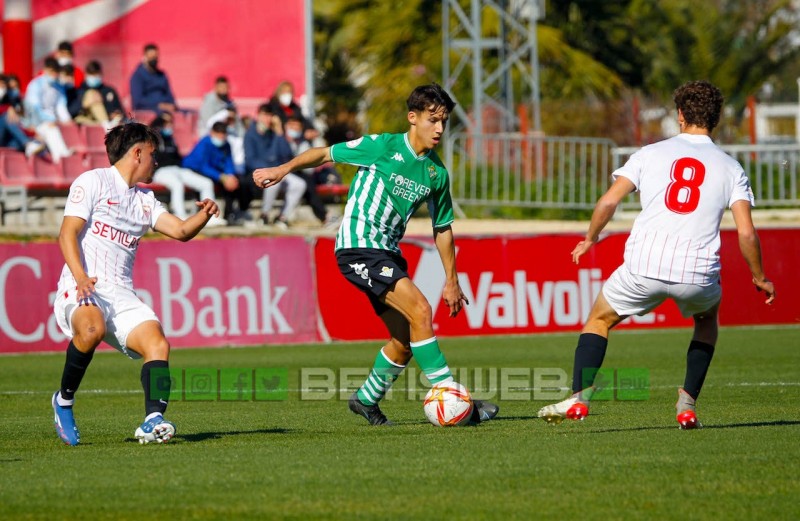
{"x":391,"y":183}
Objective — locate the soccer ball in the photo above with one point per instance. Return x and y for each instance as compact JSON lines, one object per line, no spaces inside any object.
{"x":448,"y":404}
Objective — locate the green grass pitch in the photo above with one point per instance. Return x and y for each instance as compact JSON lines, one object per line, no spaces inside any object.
{"x":313,"y":459}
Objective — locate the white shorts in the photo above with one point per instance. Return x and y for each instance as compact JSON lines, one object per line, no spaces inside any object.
{"x":122,"y":309}
{"x":630,"y":294}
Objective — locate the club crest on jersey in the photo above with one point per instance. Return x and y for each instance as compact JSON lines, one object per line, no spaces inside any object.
{"x":77,"y":194}
{"x":432,"y":172}
{"x":398,"y":157}
{"x":146,"y":208}
{"x":355,"y":142}
{"x":386,"y":271}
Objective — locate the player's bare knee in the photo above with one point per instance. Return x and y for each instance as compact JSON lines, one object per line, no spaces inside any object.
{"x":89,"y":336}
{"x":421,"y":313}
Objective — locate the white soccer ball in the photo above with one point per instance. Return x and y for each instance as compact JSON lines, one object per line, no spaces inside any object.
{"x":448,"y":404}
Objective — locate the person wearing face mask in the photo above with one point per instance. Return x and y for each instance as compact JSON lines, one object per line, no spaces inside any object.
{"x":12,"y":134}
{"x":65,"y":55}
{"x":45,"y":106}
{"x":66,"y":82}
{"x":150,"y":89}
{"x":214,"y":102}
{"x":283,"y":105}
{"x":96,"y":102}
{"x":212,"y":157}
{"x":298,"y":144}
{"x":265,"y":146}
{"x":171,"y":174}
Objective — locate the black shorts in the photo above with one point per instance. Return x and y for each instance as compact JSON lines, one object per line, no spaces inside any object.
{"x":372,"y":271}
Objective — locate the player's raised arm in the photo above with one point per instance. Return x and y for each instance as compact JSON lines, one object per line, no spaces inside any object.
{"x":176,"y":228}
{"x":313,"y":157}
{"x":603,"y":212}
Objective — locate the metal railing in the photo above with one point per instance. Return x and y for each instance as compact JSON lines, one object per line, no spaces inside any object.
{"x":513,"y":170}
{"x":774,"y":171}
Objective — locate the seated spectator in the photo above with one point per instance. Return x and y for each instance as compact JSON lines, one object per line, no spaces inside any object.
{"x":171,"y":174}
{"x":95,"y":102}
{"x":211,"y":157}
{"x":265,"y":146}
{"x":64,"y":55}
{"x":66,"y":82}
{"x":213,"y":102}
{"x":12,"y":134}
{"x":284,"y":106}
{"x":311,"y":176}
{"x":45,"y":106}
{"x":236,"y":133}
{"x":150,"y":89}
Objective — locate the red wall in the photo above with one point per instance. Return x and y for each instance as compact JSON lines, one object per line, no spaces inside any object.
{"x":214,"y":292}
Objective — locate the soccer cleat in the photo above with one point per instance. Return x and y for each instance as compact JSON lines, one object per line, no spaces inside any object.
{"x":483,"y":411}
{"x":573,"y":408}
{"x":156,"y":429}
{"x":372,"y":413}
{"x":65,"y":423}
{"x":687,"y":418}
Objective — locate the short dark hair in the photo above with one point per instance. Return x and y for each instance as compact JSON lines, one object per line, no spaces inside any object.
{"x":150,"y":47}
{"x":700,"y":102}
{"x":51,"y":63}
{"x":265,"y":108}
{"x":221,"y":79}
{"x":94,"y":67}
{"x":67,"y":69}
{"x":220,"y":126}
{"x":432,"y":97}
{"x":65,"y":46}
{"x":121,"y":138}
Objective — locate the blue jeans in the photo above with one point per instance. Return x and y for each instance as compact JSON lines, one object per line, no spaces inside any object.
{"x":12,"y":135}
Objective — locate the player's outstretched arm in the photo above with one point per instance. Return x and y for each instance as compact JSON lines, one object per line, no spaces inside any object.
{"x":313,"y":157}
{"x":176,"y":228}
{"x":452,"y":294}
{"x":603,"y":212}
{"x":71,"y":227}
{"x":750,"y":247}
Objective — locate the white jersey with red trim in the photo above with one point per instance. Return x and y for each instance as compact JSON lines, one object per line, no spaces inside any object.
{"x":685,"y":184}
{"x":117,"y":216}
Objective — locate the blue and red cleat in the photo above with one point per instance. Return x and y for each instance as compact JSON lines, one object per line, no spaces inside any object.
{"x":65,"y":423}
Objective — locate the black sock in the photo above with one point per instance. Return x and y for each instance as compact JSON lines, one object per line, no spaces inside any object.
{"x":156,"y":386}
{"x":74,"y":369}
{"x":588,"y":358}
{"x":698,"y":358}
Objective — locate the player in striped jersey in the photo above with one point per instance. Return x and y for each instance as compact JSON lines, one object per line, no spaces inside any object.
{"x":685,"y":183}
{"x":397,"y":173}
{"x":105,"y":217}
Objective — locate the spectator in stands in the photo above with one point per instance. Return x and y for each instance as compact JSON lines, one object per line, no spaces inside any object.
{"x":96,"y":102}
{"x":213,"y":102}
{"x":64,"y":55}
{"x":12,"y":134}
{"x":311,"y":176}
{"x":66,"y":82}
{"x":211,"y":157}
{"x":150,"y":88}
{"x":45,"y":106}
{"x":236,"y":132}
{"x":171,"y":173}
{"x":283,"y":105}
{"x":265,"y":146}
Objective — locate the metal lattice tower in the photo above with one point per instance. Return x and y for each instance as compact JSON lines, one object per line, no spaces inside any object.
{"x":488,"y":62}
